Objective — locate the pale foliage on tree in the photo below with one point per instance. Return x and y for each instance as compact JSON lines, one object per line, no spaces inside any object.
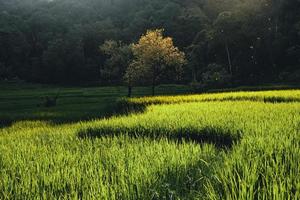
{"x":153,"y":54}
{"x":134,"y":73}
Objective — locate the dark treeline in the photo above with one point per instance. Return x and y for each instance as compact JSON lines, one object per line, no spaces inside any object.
{"x":225,"y":41}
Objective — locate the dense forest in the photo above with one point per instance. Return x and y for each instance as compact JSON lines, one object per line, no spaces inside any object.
{"x":225,"y":42}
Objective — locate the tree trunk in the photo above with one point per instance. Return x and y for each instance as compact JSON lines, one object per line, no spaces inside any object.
{"x":154,"y":75}
{"x":195,"y":74}
{"x":228,"y":57}
{"x":129,"y":91}
{"x":153,"y":89}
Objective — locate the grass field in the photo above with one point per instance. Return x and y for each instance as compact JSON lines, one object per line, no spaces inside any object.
{"x":20,"y":101}
{"x":242,"y":145}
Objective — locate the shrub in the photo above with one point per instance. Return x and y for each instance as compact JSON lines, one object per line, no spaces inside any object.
{"x":216,"y":76}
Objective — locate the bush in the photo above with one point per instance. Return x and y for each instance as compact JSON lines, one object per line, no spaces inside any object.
{"x":215,"y":77}
{"x":197,"y":86}
{"x":5,"y":72}
{"x":291,"y":77}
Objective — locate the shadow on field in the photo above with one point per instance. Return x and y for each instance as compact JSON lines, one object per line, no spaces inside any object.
{"x":124,"y":107}
{"x":5,"y":123}
{"x":60,"y":115}
{"x":177,"y":181}
{"x":212,"y":135}
{"x":72,"y":113}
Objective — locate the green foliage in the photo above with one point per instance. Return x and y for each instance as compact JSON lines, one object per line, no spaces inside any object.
{"x":154,"y":55}
{"x":215,"y":77}
{"x":119,"y":58}
{"x":46,"y":41}
{"x":5,"y":72}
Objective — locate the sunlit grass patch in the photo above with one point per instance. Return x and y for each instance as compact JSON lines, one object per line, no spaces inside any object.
{"x":275,"y":96}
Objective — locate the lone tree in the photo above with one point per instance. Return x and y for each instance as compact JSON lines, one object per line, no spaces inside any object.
{"x":154,"y":55}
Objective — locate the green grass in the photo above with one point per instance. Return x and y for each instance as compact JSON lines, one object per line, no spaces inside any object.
{"x":211,"y":146}
{"x":264,"y":164}
{"x":52,"y":162}
{"x":273,"y":96}
{"x":21,"y":101}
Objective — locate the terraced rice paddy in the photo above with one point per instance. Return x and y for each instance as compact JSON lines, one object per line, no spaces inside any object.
{"x":243,"y":145}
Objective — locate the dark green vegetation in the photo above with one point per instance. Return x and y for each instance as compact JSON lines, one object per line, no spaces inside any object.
{"x":232,"y":42}
{"x":25,"y":101}
{"x":211,"y":146}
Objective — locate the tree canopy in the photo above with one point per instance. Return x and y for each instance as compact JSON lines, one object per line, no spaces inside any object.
{"x":57,"y":41}
{"x":154,"y":55}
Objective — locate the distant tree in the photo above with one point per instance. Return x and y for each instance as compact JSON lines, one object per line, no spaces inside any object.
{"x":226,"y":30}
{"x":63,"y":61}
{"x":5,"y":72}
{"x":155,"y":54}
{"x":197,"y":53}
{"x":13,"y":47}
{"x":118,"y":59}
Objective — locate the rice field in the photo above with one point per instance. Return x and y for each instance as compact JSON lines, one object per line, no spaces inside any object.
{"x":273,"y":96}
{"x":243,"y":145}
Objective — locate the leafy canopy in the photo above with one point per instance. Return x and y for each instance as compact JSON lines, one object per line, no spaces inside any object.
{"x":154,"y":54}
